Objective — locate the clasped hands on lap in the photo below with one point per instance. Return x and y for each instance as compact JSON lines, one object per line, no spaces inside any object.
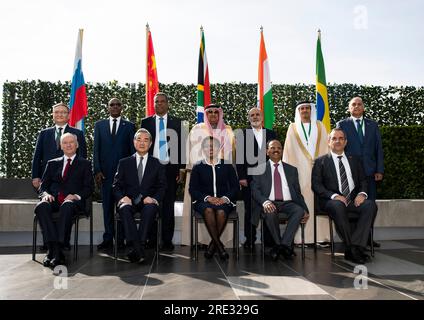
{"x":359,"y":199}
{"x":69,"y":197}
{"x":127,"y":201}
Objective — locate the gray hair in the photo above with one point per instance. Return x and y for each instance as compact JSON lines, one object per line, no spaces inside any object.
{"x":142,"y":130}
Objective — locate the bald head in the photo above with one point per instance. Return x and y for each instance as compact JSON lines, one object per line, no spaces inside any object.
{"x":356,"y":107}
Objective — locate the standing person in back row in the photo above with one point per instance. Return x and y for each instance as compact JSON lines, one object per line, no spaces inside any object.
{"x":166,"y":143}
{"x":48,"y":147}
{"x":113,"y":140}
{"x":364,"y":141}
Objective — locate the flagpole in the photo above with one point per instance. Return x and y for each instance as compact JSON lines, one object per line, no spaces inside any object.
{"x":147,"y":67}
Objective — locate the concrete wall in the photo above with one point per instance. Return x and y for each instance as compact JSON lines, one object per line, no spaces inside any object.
{"x":396,"y":219}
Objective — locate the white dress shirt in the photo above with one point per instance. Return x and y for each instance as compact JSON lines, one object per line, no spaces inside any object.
{"x":258,"y":136}
{"x":138,"y":158}
{"x":64,"y":166}
{"x":118,"y":121}
{"x":361,"y":119}
{"x":284,"y":184}
{"x":57,"y":130}
{"x":348,"y":172}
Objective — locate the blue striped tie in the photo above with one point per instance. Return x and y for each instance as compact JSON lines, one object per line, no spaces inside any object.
{"x":162,"y":140}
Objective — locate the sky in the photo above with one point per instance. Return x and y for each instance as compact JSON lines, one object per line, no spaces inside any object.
{"x":378,"y":42}
{"x":369,"y":42}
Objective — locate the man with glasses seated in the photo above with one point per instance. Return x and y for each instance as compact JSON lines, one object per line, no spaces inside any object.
{"x":113,"y":140}
{"x":341,"y":185}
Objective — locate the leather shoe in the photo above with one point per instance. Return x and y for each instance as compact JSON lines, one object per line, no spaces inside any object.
{"x":106,"y":244}
{"x":47,"y":260}
{"x":210,"y":251}
{"x":362,"y":254}
{"x":274,"y":253}
{"x":286,"y":252}
{"x":67,"y":247}
{"x":353,"y":255}
{"x":59,"y":259}
{"x":223,"y":255}
{"x":135,"y":256}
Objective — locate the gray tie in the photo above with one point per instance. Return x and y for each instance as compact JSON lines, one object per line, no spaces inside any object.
{"x":140,"y":170}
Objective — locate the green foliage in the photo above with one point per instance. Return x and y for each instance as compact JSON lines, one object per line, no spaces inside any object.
{"x":27,"y":109}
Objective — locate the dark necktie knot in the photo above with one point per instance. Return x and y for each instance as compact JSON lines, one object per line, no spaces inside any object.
{"x":114,"y":128}
{"x":340,"y":157}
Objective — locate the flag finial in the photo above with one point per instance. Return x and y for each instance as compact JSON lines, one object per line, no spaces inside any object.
{"x":147,"y":26}
{"x":201,"y":28}
{"x":262,"y":29}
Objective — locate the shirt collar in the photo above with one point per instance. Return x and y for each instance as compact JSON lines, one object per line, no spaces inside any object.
{"x":272,"y":162}
{"x":165,"y":117}
{"x":206,"y":161}
{"x":139,"y":157}
{"x":354,"y":118}
{"x":72,"y":158}
{"x":64,"y":127}
{"x":118,"y":119}
{"x":335,"y":155}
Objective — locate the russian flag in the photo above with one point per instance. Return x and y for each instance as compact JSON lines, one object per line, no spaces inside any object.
{"x":78,"y":102}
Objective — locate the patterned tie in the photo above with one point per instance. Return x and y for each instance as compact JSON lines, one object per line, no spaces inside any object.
{"x":360,"y":132}
{"x":60,"y":195}
{"x":162,"y":140}
{"x":140,"y":171}
{"x":278,"y":188}
{"x":58,"y":135}
{"x":343,"y":179}
{"x":114,"y":128}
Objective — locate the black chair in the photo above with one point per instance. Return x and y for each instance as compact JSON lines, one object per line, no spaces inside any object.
{"x":137,"y":218}
{"x":283,"y":220}
{"x":83,"y":214}
{"x":196,"y":217}
{"x":353,"y":217}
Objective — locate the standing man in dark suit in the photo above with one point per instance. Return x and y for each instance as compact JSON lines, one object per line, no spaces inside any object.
{"x":364,"y":141}
{"x":341,"y":185}
{"x":113,"y":140}
{"x":166,"y":143}
{"x":277,"y":194}
{"x":48,"y":147}
{"x":66,"y":184}
{"x":48,"y":143}
{"x":253,"y":140}
{"x":139,"y":185}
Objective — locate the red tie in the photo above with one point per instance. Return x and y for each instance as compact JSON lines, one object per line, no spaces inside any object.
{"x":278,"y":189}
{"x":60,"y":195}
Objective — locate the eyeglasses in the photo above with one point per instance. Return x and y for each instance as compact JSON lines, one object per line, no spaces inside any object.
{"x":115,"y":104}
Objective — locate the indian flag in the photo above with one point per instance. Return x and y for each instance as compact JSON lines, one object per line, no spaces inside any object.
{"x":323,"y":110}
{"x":265,"y":102}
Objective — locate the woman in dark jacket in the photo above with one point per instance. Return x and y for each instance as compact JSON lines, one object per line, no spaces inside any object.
{"x":213,"y":188}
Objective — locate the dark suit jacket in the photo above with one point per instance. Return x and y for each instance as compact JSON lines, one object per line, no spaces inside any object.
{"x":79,"y":179}
{"x":46,"y":149}
{"x":248,"y":136}
{"x":371,"y":151}
{"x":325,"y":182}
{"x":261,"y":188}
{"x":149,"y":123}
{"x":201,"y":181}
{"x":108,"y":151}
{"x":126,"y":179}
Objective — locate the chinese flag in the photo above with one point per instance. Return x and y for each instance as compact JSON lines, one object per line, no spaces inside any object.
{"x":152,"y":83}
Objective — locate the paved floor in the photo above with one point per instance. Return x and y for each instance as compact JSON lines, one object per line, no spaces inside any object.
{"x":396,"y":272}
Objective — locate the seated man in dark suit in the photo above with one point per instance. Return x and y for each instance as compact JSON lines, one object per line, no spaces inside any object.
{"x":341,"y":185}
{"x":139,"y":185}
{"x":67,"y":182}
{"x":213,"y":188}
{"x":277,"y":194}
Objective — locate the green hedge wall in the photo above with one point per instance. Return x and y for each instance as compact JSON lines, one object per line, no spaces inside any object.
{"x":27,"y":108}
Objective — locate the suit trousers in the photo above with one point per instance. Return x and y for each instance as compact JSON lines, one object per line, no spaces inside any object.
{"x":366,"y":213}
{"x":372,"y":188}
{"x":148,"y":213}
{"x":108,"y":205}
{"x":288,"y":210}
{"x":168,"y":204}
{"x":61,"y":230}
{"x":249,"y":228}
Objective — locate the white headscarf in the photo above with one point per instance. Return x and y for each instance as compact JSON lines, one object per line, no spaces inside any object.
{"x":310,"y":143}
